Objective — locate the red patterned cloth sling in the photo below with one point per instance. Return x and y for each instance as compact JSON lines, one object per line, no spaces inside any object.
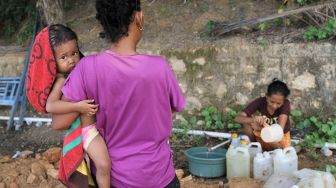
{"x":42,"y":71}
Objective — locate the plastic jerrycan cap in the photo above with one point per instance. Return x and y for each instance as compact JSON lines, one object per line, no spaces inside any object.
{"x":244,"y":142}
{"x":234,"y":135}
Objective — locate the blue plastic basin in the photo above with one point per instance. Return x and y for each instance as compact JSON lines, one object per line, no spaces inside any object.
{"x":206,"y":164}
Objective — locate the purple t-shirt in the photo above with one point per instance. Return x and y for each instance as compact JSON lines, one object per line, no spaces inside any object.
{"x":136,"y":95}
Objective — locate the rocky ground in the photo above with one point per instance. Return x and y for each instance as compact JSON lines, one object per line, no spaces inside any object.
{"x":36,"y":163}
{"x":39,"y":148}
{"x":29,"y":169}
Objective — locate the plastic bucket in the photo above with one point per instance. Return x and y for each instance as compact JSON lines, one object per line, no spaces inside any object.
{"x":206,"y":164}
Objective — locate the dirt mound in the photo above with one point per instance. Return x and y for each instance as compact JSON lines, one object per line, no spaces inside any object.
{"x":40,"y":171}
{"x":35,"y":138}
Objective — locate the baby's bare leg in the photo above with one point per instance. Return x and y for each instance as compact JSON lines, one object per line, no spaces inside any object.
{"x":97,"y":151}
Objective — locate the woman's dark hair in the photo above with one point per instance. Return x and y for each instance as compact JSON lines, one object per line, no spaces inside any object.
{"x":59,"y":34}
{"x":278,"y":87}
{"x":115,"y":16}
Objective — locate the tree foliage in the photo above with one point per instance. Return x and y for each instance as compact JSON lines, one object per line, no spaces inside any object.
{"x":13,"y":13}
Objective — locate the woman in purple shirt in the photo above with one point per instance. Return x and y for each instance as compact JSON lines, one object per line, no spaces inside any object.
{"x":136,"y":94}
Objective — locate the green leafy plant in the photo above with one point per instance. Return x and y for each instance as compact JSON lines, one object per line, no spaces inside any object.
{"x":315,"y":154}
{"x":212,"y":118}
{"x":317,"y":131}
{"x":328,"y":30}
{"x":277,"y":22}
{"x":12,"y":13}
{"x":321,"y":131}
{"x":229,"y":119}
{"x":210,"y":26}
{"x":26,"y":31}
{"x":331,"y":169}
{"x":300,"y":122}
{"x":186,"y":126}
{"x":263,"y":42}
{"x":263,"y":26}
{"x":296,"y":115}
{"x":212,"y":121}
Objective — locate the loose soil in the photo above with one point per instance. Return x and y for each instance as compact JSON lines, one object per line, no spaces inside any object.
{"x":39,"y":139}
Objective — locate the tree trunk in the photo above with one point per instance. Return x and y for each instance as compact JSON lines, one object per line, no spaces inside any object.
{"x":51,"y":11}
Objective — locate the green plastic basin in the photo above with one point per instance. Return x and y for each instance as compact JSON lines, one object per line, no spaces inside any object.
{"x":206,"y":164}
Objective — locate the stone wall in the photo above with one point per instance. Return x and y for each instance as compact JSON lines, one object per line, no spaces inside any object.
{"x":236,"y":72}
{"x":233,"y":72}
{"x":11,"y":62}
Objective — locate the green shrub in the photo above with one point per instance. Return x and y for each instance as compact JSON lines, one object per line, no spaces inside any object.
{"x":317,"y":130}
{"x":13,"y":13}
{"x":210,"y":26}
{"x":26,"y":31}
{"x":263,"y":26}
{"x":328,"y":30}
{"x":331,"y":169}
{"x":212,"y":118}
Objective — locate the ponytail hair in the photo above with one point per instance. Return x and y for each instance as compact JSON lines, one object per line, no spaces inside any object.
{"x":277,"y":87}
{"x":115,"y":16}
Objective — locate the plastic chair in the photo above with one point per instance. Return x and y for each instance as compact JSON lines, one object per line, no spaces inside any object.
{"x":12,"y":89}
{"x":8,"y":90}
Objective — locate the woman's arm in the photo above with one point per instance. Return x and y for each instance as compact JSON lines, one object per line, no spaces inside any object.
{"x":256,"y":122}
{"x":242,"y":118}
{"x":283,"y":120}
{"x":284,"y":114}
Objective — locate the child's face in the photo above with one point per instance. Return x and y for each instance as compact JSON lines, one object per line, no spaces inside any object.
{"x":275,"y":101}
{"x":67,"y":56}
